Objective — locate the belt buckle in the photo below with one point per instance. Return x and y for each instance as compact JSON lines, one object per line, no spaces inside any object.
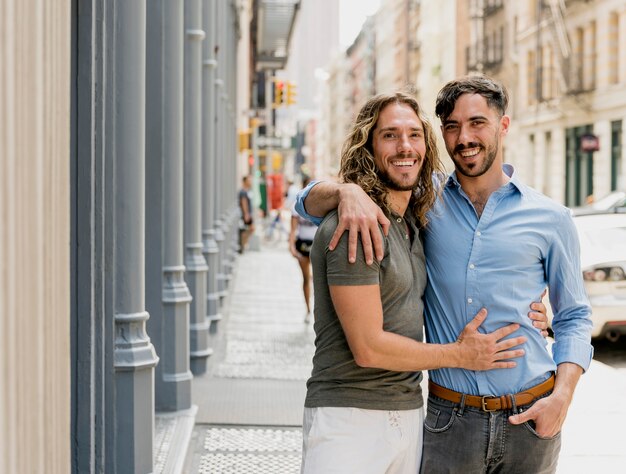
{"x":483,"y":403}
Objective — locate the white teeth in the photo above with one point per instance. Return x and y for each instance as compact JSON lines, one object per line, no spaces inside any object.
{"x":469,"y":153}
{"x":403,"y":163}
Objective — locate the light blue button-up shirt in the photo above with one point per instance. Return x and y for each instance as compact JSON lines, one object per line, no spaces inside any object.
{"x":522,"y":243}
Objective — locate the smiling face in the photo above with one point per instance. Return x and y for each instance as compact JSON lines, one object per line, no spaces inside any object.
{"x":472,"y":134}
{"x":399,"y":146}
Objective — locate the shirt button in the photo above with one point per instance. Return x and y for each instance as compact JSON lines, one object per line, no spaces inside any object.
{"x":469,"y":300}
{"x":471,"y":266}
{"x":479,"y":233}
{"x":399,"y":219}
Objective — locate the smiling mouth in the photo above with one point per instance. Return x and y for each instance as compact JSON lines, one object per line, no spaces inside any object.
{"x":469,"y":153}
{"x":404,"y":163}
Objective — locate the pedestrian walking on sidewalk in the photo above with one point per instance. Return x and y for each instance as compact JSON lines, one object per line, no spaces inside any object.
{"x":490,"y":241}
{"x":364,"y":408}
{"x":246,"y":223}
{"x":300,"y":242}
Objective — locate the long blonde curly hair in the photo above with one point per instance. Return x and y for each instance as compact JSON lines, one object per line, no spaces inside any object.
{"x":357,"y":157}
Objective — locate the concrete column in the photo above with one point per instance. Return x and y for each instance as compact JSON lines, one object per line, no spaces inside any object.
{"x":210,"y":248}
{"x":602,"y":159}
{"x":621,"y":171}
{"x":219,"y":149}
{"x":226,"y":21}
{"x":196,"y":267}
{"x":621,"y":50}
{"x":219,"y":186}
{"x":233,"y":154}
{"x":557,"y":168}
{"x":167,"y":293}
{"x":547,"y":159}
{"x":540,"y":159}
{"x":134,"y":357}
{"x":589,"y":60}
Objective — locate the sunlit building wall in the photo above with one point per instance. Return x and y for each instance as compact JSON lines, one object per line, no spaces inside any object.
{"x":564,"y":64}
{"x":336,"y":113}
{"x":361,"y":68}
{"x":315,"y":41}
{"x":572,"y":69}
{"x":395,"y":44}
{"x":439,"y":39}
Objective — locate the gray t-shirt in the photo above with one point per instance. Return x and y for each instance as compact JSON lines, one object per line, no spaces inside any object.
{"x":336,"y":379}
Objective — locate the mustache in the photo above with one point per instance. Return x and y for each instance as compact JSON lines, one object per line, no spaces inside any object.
{"x":400,"y":156}
{"x":461,"y":147}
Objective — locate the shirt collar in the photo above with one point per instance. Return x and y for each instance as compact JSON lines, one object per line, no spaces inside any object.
{"x":508,"y":169}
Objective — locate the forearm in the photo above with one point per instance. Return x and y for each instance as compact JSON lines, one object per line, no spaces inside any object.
{"x":360,"y":313}
{"x":322,"y":198}
{"x":391,"y":351}
{"x":567,"y":376}
{"x":292,"y":232}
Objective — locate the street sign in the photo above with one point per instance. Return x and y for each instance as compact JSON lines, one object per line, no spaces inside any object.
{"x":273,"y":142}
{"x":589,"y":143}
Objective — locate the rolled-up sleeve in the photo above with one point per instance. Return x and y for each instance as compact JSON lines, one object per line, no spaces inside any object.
{"x":572,"y":313}
{"x":300,"y":204}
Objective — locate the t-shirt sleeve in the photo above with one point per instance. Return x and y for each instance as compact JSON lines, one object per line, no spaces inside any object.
{"x":339,"y":271}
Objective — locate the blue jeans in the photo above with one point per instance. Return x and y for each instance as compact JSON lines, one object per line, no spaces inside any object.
{"x":462,"y":439}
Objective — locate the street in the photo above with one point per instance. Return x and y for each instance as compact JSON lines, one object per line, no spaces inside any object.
{"x":611,"y":353}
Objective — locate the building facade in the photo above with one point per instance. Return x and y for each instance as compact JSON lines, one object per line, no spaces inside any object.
{"x":118,"y":158}
{"x":565,"y":66}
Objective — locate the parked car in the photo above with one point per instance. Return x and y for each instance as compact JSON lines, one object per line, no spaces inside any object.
{"x":613,"y":202}
{"x":603,"y":263}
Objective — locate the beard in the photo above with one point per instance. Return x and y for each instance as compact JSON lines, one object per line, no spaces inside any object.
{"x":396,"y":185}
{"x":475,"y":169}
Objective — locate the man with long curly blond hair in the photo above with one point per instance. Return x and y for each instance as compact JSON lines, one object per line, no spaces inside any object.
{"x":364,"y":407}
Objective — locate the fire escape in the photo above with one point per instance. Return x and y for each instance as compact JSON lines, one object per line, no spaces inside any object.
{"x":485,"y":53}
{"x":569,"y":66}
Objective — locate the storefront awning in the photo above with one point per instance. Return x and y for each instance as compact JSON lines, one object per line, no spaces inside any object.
{"x":274,"y":22}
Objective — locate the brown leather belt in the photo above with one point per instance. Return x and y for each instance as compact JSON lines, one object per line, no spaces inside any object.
{"x":488,"y":403}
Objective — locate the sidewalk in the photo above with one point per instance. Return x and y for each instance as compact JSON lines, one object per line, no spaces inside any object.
{"x":250,"y":400}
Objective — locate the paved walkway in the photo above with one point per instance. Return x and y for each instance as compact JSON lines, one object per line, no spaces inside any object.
{"x":250,"y":401}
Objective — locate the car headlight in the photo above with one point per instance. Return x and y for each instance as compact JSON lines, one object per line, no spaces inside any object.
{"x":613,"y":272}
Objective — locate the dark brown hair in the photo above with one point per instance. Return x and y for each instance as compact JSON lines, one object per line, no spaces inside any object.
{"x":494,"y":93}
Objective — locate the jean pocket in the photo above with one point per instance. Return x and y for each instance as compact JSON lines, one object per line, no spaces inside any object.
{"x":438,"y":421}
{"x":530,"y":426}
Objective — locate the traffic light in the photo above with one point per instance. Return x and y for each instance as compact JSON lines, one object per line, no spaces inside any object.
{"x":291,"y":93}
{"x":279,"y":93}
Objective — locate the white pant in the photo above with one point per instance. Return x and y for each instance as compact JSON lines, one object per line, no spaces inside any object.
{"x":353,"y":440}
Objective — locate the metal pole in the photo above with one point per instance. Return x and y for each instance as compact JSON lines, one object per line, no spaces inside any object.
{"x":168,"y":296}
{"x":134,"y":357}
{"x":196,"y":274}
{"x":220,"y":154}
{"x":209,"y":158}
